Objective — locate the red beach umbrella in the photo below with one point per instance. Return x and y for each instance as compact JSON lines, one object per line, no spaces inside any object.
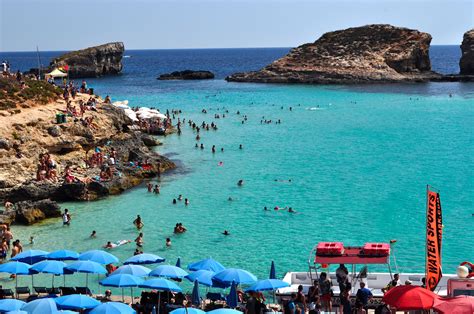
{"x":462,"y":304}
{"x":407,"y":298}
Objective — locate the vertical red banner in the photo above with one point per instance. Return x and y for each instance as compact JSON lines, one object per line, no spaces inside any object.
{"x":434,"y":235}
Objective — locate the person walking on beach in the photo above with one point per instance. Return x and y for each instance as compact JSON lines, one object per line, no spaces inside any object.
{"x":66,"y":218}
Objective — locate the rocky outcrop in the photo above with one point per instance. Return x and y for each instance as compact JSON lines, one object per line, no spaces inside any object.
{"x":466,"y":64}
{"x":187,"y":75}
{"x":29,"y":212}
{"x":94,"y":61}
{"x":367,"y":54}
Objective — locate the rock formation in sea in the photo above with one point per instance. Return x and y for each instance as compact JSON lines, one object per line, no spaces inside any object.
{"x":94,"y":61}
{"x":466,"y":64}
{"x":29,"y":127}
{"x":367,"y":54}
{"x":187,"y":75}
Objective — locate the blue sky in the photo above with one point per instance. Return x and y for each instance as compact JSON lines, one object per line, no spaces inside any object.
{"x":163,"y":24}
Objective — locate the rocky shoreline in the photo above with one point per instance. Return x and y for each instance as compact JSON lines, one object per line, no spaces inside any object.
{"x":25,"y":133}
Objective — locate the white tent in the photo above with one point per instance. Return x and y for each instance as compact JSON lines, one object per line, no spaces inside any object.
{"x":55,"y":73}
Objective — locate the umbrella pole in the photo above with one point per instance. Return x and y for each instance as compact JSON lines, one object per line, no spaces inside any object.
{"x":123,"y":297}
{"x":131,"y":294}
{"x":16,"y":285}
{"x":32,"y":282}
{"x":64,"y":280}
{"x":87,"y":280}
{"x":98,"y":283}
{"x":52,"y":281}
{"x":159,"y":295}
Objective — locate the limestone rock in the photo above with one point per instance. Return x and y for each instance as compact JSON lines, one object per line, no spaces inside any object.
{"x":28,"y":212}
{"x":54,"y":131}
{"x":466,"y":64}
{"x":150,"y":141}
{"x":187,"y":75}
{"x":367,"y":54}
{"x":4,"y":144}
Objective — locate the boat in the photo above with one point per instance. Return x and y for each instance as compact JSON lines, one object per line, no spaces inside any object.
{"x":358,"y":259}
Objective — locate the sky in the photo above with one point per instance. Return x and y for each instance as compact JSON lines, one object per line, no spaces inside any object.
{"x":168,"y":24}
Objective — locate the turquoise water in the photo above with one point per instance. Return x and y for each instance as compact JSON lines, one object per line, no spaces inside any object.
{"x":358,"y":165}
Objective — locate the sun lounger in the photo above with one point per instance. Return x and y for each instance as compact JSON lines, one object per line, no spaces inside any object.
{"x":67,"y":290}
{"x":83,"y":290}
{"x":215,"y":296}
{"x":40,"y":290}
{"x":23,"y":290}
{"x":53,"y":290}
{"x":6,"y":293}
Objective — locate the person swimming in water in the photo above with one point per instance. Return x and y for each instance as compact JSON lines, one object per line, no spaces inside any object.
{"x":240,"y":146}
{"x":149,"y":186}
{"x":180,"y":197}
{"x":168,"y":242}
{"x":174,"y":201}
{"x":186,"y":202}
{"x":213,"y":149}
{"x":93,"y":234}
{"x":202,"y":146}
{"x":139,"y":240}
{"x":138,"y":222}
{"x":290,"y":210}
{"x":240,"y":183}
{"x":226,"y":233}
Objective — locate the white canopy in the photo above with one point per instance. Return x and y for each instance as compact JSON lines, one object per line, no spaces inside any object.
{"x":56,"y":73}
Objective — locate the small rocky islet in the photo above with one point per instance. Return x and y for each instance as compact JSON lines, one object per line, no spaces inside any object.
{"x":376,"y":53}
{"x":187,"y":75}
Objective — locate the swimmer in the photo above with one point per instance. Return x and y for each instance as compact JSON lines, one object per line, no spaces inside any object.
{"x":226,"y":233}
{"x":156,"y":190}
{"x":198,"y":137}
{"x":290,"y":210}
{"x":180,"y":197}
{"x":174,"y":201}
{"x":276,"y":208}
{"x":265,"y":208}
{"x":230,"y":199}
{"x":220,"y":164}
{"x":109,"y":245}
{"x":202,"y":146}
{"x":149,"y":186}
{"x":186,"y":202}
{"x":32,"y":240}
{"x":139,"y":240}
{"x":138,"y":222}
{"x":240,"y":183}
{"x":240,"y":146}
{"x":196,"y":145}
{"x":168,"y":242}
{"x":93,"y":234}
{"x":222,"y":149}
{"x":213,"y":149}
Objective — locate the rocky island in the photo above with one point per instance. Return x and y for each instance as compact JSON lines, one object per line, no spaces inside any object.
{"x":34,"y":129}
{"x":367,"y":54}
{"x":187,"y":75}
{"x":94,"y":61}
{"x":466,"y":64}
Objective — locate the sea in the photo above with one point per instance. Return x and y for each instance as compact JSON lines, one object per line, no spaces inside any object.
{"x":353,"y":161}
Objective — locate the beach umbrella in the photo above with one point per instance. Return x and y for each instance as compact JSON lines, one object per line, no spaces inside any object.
{"x":144,"y":258}
{"x":459,"y":304}
{"x":63,"y":255}
{"x":224,"y":311}
{"x":207,"y":264}
{"x":121,"y":281}
{"x":161,"y":285}
{"x":7,"y":305}
{"x":49,"y":267}
{"x":112,"y":308}
{"x":406,"y":298}
{"x":187,"y":310}
{"x":232,"y":297}
{"x":98,"y":256}
{"x":239,"y":276}
{"x":40,"y":306}
{"x":30,"y":256}
{"x":17,"y":312}
{"x":76,"y":302}
{"x":272,"y":271}
{"x":178,"y":262}
{"x":268,"y":285}
{"x":16,"y":268}
{"x":168,"y":271}
{"x":204,"y":277}
{"x":195,"y":299}
{"x":87,"y":267}
{"x":136,"y":270}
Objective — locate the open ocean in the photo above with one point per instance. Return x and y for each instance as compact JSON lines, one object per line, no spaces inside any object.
{"x":358,"y":165}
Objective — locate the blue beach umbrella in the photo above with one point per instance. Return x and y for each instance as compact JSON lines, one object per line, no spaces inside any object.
{"x":17,"y":312}
{"x":113,"y":308}
{"x":204,"y":277}
{"x":195,"y":299}
{"x":98,"y":256}
{"x":30,"y":256}
{"x":7,"y":305}
{"x":144,"y":259}
{"x":187,"y":310}
{"x":232,"y":297}
{"x":207,"y":264}
{"x":76,"y":302}
{"x":63,"y":255}
{"x":41,"y":306}
{"x":239,"y":276}
{"x":136,"y":270}
{"x":121,"y":281}
{"x":87,"y":267}
{"x":49,"y":267}
{"x":268,"y":285}
{"x":224,"y":311}
{"x":160,"y":284}
{"x":168,"y":271}
{"x":178,"y":262}
{"x":272,"y":271}
{"x":17,"y":268}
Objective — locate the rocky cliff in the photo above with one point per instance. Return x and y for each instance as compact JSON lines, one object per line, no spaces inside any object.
{"x":367,"y":54}
{"x":94,"y":61}
{"x":466,"y":64}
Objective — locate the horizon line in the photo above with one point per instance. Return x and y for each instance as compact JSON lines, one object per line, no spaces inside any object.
{"x":201,"y":48}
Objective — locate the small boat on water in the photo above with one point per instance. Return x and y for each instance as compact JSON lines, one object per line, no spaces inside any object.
{"x":357,"y":259}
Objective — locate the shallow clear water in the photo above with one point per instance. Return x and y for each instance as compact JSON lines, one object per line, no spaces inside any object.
{"x":358,"y":165}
